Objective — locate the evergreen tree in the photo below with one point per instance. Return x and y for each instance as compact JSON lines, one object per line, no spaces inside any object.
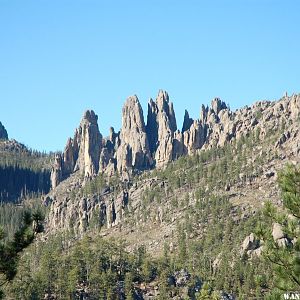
{"x":163,"y":288}
{"x":129,"y":286}
{"x":286,"y":259}
{"x":9,"y":251}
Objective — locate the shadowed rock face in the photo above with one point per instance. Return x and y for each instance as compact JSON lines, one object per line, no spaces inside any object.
{"x":139,"y":147}
{"x":3,"y":132}
{"x":107,"y":163}
{"x":187,"y":122}
{"x":152,"y":126}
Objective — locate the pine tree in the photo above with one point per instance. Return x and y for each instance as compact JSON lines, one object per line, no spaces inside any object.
{"x":9,"y":251}
{"x":163,"y":288}
{"x":285,"y":259}
{"x":204,"y":293}
{"x":182,"y":247}
{"x":129,"y":286}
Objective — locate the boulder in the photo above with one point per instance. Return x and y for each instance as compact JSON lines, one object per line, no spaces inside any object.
{"x":181,"y":277}
{"x":279,"y":236}
{"x":277,"y":232}
{"x":249,"y":244}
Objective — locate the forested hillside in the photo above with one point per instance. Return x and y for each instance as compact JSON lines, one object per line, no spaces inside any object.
{"x":23,"y":172}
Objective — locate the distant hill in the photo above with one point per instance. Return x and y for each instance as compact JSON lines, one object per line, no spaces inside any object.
{"x":23,"y":172}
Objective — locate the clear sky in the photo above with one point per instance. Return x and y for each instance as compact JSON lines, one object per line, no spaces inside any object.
{"x":59,"y":57}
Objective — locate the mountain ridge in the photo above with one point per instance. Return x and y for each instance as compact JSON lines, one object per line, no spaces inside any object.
{"x":139,"y":146}
{"x":106,"y":193}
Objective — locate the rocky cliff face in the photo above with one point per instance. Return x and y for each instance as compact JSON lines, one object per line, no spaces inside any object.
{"x":133,"y":151}
{"x":138,"y":146}
{"x":57,"y":171}
{"x":3,"y":132}
{"x":161,"y":125}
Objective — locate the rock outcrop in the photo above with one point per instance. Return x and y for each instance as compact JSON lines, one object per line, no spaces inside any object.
{"x":195,"y":137}
{"x":82,"y":153}
{"x":279,"y":236}
{"x":108,"y":161}
{"x":251,"y":246}
{"x":3,"y":132}
{"x":187,"y":121}
{"x":161,"y":125}
{"x":57,"y":171}
{"x":70,"y":156}
{"x":134,"y":150}
{"x":89,"y":141}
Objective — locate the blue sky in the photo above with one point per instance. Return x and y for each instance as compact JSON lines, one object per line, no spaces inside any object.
{"x":58,"y":58}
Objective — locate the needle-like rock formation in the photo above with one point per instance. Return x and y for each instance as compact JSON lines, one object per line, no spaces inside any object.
{"x":134,"y":149}
{"x":161,"y":125}
{"x":82,"y":153}
{"x":138,"y":147}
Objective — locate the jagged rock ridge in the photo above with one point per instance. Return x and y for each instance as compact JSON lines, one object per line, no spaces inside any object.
{"x":216,"y":127}
{"x":138,"y":146}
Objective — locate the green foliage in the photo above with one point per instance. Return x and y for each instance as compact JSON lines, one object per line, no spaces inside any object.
{"x":285,"y":258}
{"x":9,"y":250}
{"x":23,"y":172}
{"x":129,"y":289}
{"x":95,"y":186}
{"x":11,"y":215}
{"x":205,"y":230}
{"x":207,"y":293}
{"x":163,"y":287}
{"x":19,"y":183}
{"x":100,"y":264}
{"x":289,"y":182}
